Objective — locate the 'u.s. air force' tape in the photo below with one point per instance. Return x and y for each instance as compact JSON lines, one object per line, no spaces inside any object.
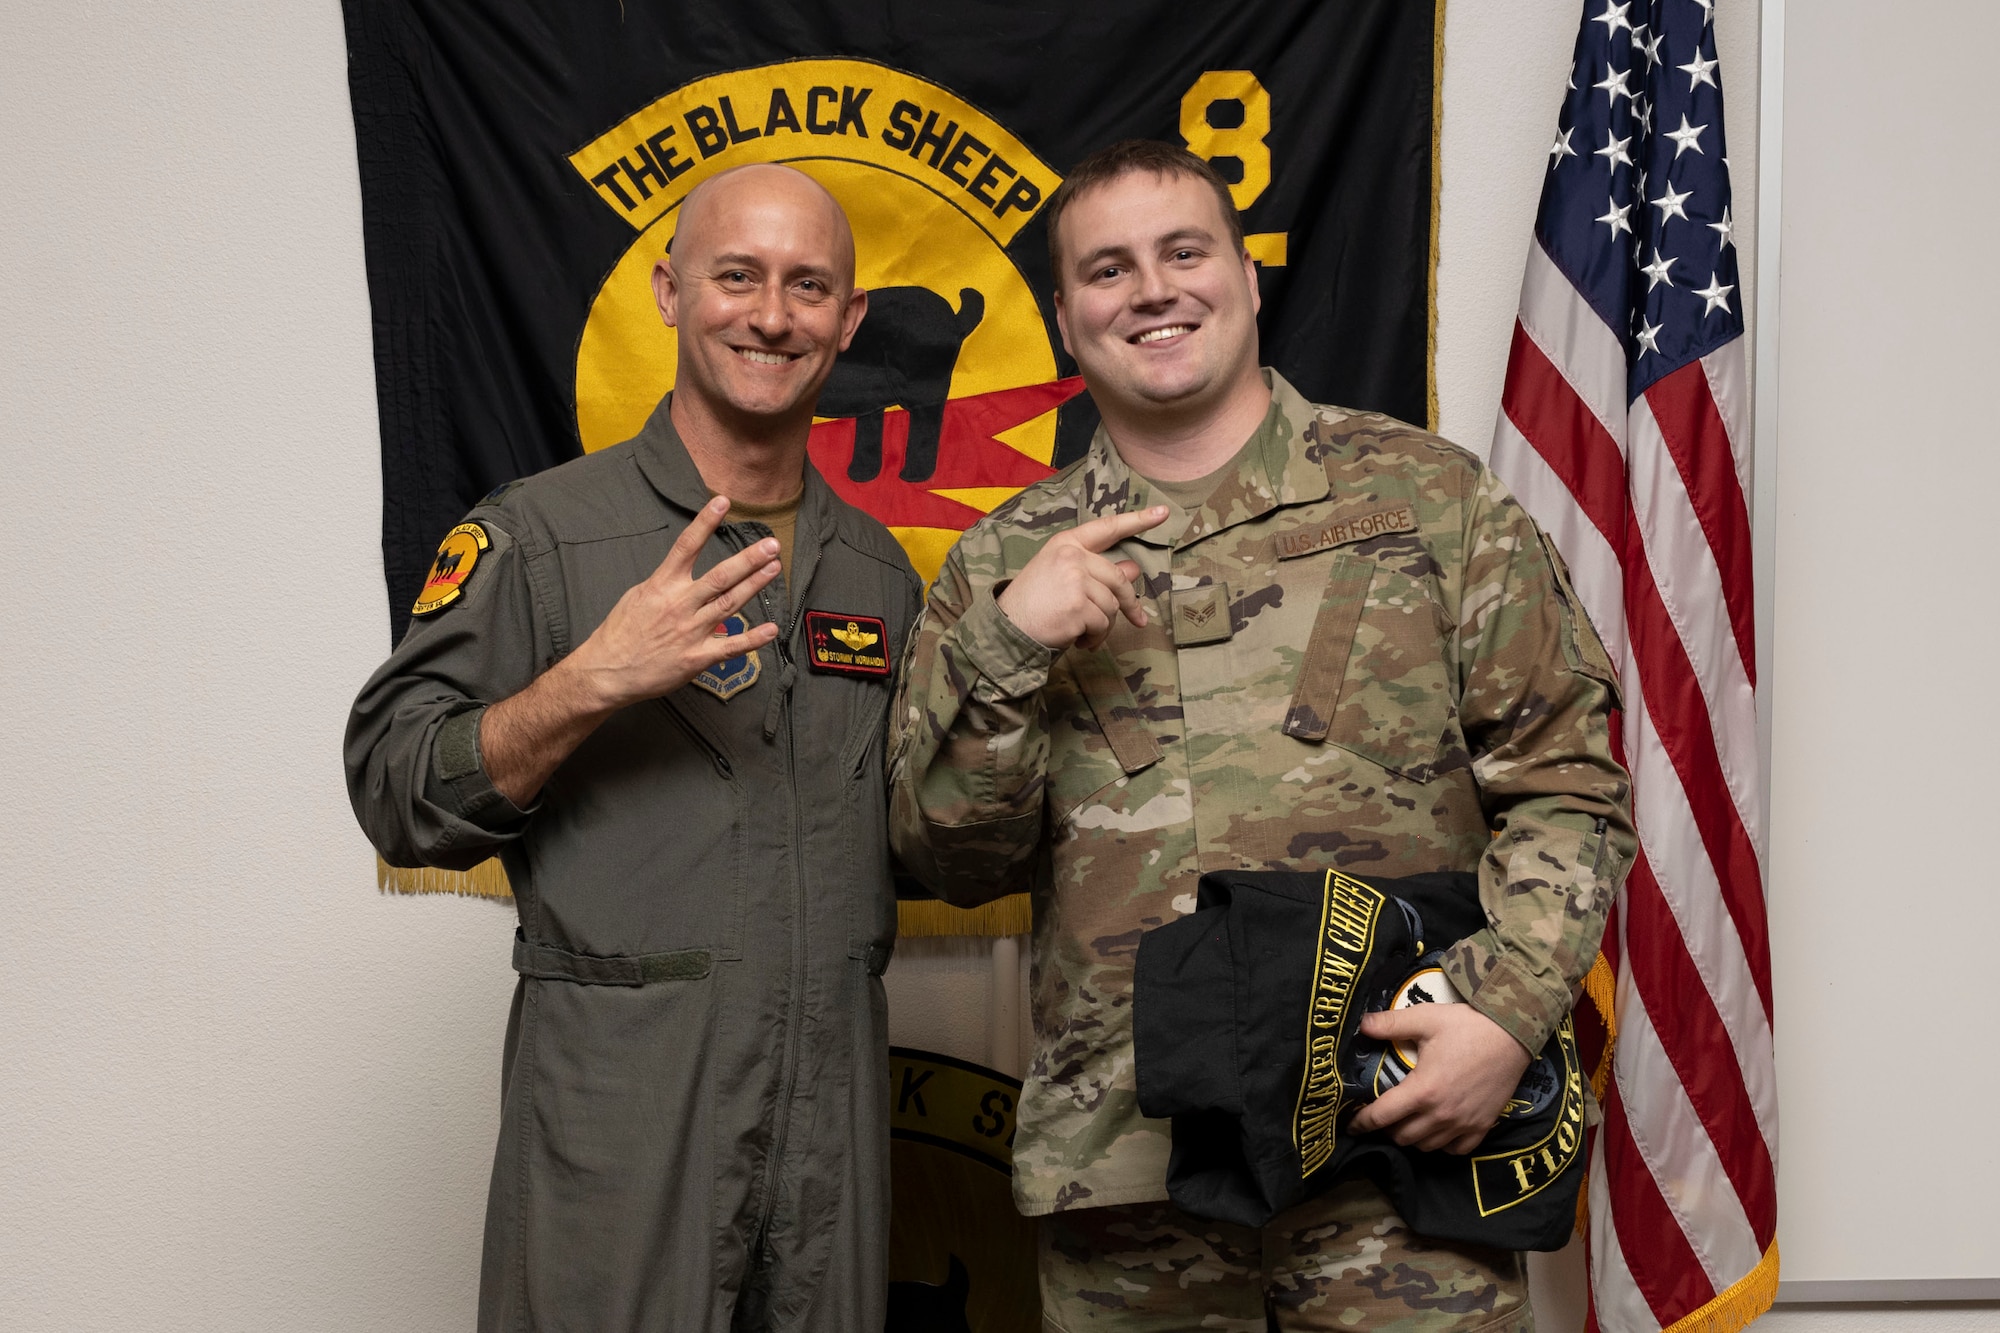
{"x":1246,"y":1032}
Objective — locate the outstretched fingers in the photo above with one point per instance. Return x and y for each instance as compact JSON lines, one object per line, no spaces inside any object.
{"x":736,"y":591}
{"x":679,"y":562}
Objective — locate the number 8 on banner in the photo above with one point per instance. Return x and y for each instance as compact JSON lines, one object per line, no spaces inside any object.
{"x":1242,"y":139}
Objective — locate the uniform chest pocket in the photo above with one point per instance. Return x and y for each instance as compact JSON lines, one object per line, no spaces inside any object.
{"x":1376,"y":678}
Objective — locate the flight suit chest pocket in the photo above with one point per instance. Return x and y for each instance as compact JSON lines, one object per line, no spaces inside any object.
{"x":1376,"y":677}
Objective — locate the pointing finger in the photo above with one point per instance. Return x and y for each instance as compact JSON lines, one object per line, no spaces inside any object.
{"x":1101,"y":534}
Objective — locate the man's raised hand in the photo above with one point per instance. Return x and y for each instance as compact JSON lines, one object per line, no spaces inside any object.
{"x":661,"y":634}
{"x":1070,"y":592}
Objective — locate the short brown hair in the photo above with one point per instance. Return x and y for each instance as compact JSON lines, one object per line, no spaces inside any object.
{"x":1123,"y":159}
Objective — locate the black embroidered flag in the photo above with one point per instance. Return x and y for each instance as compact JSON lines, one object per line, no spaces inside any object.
{"x":522,"y":164}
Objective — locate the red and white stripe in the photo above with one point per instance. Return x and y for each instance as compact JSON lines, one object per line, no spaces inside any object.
{"x":1648,"y":504}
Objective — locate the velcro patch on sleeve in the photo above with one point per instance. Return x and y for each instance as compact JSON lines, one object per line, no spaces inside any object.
{"x":456,"y":557}
{"x":1344,"y":528}
{"x":847,"y":645}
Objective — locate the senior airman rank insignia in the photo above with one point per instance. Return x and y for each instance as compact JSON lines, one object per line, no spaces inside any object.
{"x":456,"y":556}
{"x":847,"y":645}
{"x":732,"y":675}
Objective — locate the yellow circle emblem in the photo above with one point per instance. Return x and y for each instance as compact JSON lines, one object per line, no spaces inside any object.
{"x":945,"y":405}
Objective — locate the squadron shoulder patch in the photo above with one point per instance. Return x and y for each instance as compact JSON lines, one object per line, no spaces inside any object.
{"x":847,"y":645}
{"x":456,"y":557}
{"x":732,"y":675}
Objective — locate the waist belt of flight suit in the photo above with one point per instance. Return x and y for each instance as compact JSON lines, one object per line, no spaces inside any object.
{"x":548,"y":963}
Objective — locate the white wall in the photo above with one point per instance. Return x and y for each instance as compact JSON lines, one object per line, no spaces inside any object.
{"x":238,"y":1088}
{"x":1885,"y":638}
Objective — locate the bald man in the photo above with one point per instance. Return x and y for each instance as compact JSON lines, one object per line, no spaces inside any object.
{"x":654,"y":682}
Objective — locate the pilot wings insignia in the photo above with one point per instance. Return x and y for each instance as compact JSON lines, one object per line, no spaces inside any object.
{"x":854,"y":636}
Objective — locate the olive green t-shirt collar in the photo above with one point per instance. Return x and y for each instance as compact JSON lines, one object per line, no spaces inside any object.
{"x":1268,"y":471}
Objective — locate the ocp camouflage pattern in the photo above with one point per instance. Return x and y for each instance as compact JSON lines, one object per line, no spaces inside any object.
{"x":1343,"y":1260}
{"x":1407,"y":685}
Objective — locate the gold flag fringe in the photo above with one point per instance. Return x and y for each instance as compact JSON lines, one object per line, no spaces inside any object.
{"x":1011,"y":915}
{"x":485,"y":880}
{"x":1747,"y":1298}
{"x":1602,"y":988}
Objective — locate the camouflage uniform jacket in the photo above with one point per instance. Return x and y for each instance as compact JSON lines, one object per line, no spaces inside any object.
{"x":1360,"y":653}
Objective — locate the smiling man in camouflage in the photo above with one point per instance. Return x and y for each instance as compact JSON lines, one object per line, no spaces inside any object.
{"x":1250,"y":632}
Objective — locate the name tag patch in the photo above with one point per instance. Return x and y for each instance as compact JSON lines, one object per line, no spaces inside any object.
{"x":1201,"y":615}
{"x":847,"y":645}
{"x":1340,"y":531}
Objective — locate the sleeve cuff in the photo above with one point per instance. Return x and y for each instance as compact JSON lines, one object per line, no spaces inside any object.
{"x":1501,"y":987}
{"x":458,"y":778}
{"x":1011,"y":664}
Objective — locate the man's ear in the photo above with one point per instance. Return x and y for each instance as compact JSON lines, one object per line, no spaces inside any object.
{"x":666,"y":287}
{"x":1250,"y":276}
{"x":850,"y":319}
{"x":1062,"y":319}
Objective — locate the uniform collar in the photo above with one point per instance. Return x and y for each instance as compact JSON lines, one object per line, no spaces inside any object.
{"x":1272,"y":470}
{"x":665,"y":461}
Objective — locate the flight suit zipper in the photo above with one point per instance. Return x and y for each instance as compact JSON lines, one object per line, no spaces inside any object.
{"x":781,"y":718}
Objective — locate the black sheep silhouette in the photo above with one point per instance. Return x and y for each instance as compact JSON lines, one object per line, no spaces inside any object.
{"x":902,"y":356}
{"x":921,"y":1307}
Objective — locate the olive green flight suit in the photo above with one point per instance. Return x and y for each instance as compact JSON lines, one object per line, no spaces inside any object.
{"x":694,"y":1125}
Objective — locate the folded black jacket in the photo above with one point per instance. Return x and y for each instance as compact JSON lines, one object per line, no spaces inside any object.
{"x":1246,"y":1022}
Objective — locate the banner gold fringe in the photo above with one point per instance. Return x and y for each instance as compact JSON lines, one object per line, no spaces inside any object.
{"x":485,"y":880}
{"x":1437,"y":211}
{"x":1747,"y":1298}
{"x":919,"y":917}
{"x":1011,"y":915}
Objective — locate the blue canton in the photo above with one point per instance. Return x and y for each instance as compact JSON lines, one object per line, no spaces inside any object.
{"x":1635,"y":205}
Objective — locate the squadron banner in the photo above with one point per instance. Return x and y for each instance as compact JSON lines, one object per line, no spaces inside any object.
{"x":523,"y":162}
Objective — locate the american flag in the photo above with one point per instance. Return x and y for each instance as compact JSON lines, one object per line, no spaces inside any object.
{"x":1624,"y":428}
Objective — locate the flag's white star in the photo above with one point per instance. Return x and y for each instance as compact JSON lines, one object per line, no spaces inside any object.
{"x":1657,"y":270}
{"x":1649,"y":337}
{"x":1699,"y":71}
{"x":1613,"y":84}
{"x":1686,"y":137}
{"x":1614,"y":150}
{"x":1726,"y":227}
{"x":1670,"y":204}
{"x":1639,"y":36}
{"x":1561,"y":149}
{"x":1707,"y":11}
{"x":1650,"y":49}
{"x":1644,"y":111}
{"x":1614,"y":217}
{"x":1613,"y":18}
{"x":1716,"y":294}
